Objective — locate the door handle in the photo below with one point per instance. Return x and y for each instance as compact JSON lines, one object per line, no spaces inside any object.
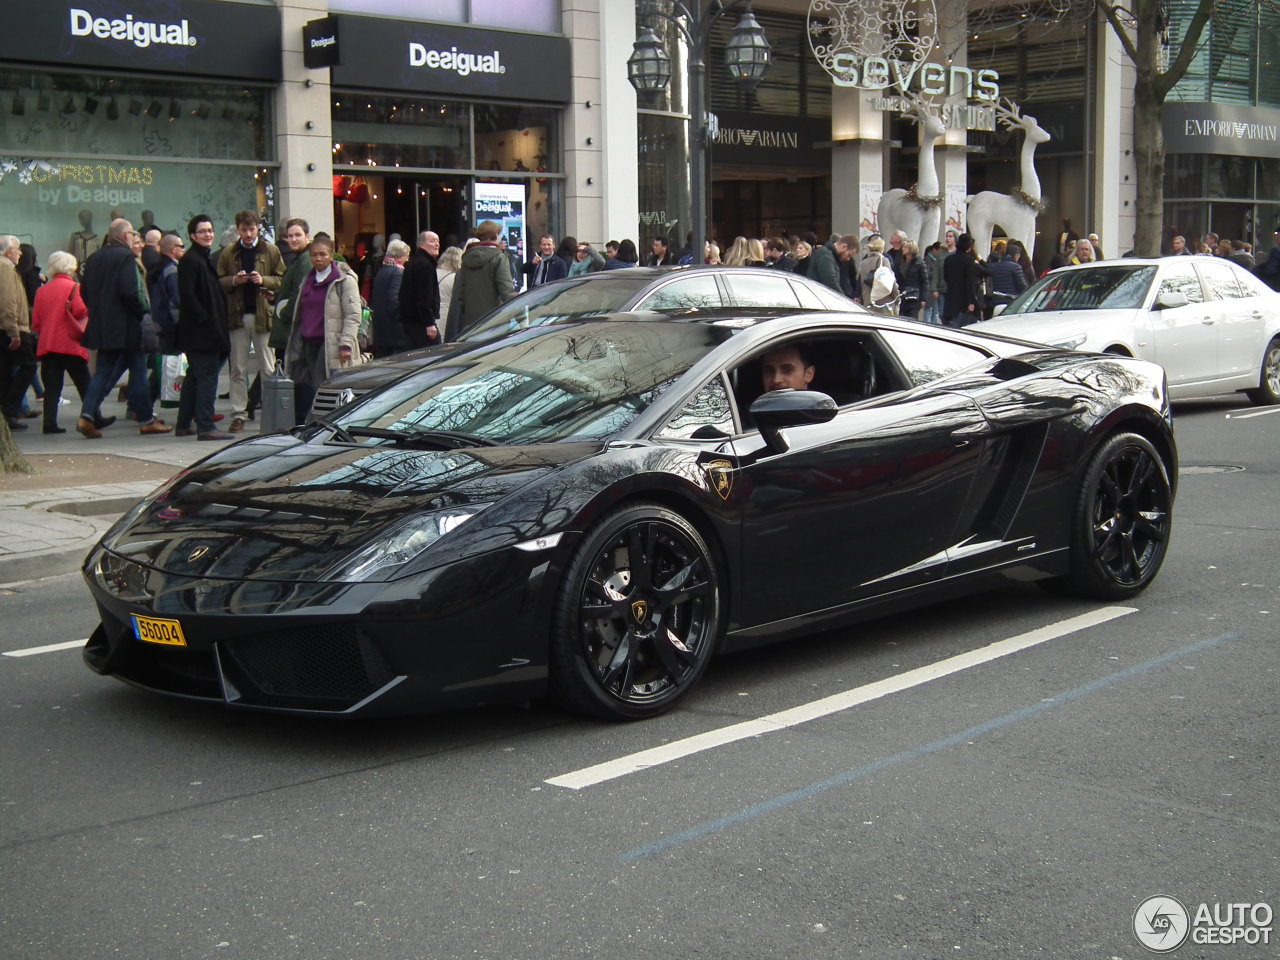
{"x":1208,"y":321}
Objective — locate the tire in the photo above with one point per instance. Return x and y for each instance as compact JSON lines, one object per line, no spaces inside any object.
{"x":638,"y":616}
{"x":1268,"y":390}
{"x":1121,"y":522}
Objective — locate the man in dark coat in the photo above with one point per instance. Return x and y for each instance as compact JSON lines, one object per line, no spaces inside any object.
{"x":114,"y":292}
{"x":545,"y":266}
{"x":420,"y":294}
{"x":960,"y":273}
{"x":203,"y":333}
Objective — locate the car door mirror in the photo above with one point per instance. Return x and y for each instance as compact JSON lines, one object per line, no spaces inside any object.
{"x":789,"y":408}
{"x":998,"y":309}
{"x":1170,"y":299}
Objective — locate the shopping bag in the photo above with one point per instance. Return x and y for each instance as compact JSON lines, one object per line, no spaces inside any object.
{"x":173,"y":368}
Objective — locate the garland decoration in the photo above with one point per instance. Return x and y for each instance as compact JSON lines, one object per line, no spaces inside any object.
{"x":928,"y":202}
{"x":1027,"y":200}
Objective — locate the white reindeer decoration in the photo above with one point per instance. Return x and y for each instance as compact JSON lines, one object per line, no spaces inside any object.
{"x":1015,"y":212}
{"x":918,"y":211}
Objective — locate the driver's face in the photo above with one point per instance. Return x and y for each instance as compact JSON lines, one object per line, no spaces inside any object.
{"x":784,"y":369}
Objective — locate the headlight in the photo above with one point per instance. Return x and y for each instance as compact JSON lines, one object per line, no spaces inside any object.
{"x":400,"y":544}
{"x":1070,"y":343}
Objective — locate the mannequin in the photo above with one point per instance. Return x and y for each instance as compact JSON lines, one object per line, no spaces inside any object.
{"x":84,"y":243}
{"x":148,"y":221}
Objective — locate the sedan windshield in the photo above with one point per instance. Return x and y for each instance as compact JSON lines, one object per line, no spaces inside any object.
{"x":553,"y":302}
{"x":581,"y":381}
{"x":1109,"y":287}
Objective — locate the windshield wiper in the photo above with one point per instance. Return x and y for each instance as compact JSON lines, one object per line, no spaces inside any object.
{"x":453,"y":438}
{"x":338,"y":431}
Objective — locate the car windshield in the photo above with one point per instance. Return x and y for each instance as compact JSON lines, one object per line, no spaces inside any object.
{"x":1118,"y":287}
{"x":581,"y":381}
{"x":564,"y":300}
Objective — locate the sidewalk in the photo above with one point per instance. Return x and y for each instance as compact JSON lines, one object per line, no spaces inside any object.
{"x":50,"y":520}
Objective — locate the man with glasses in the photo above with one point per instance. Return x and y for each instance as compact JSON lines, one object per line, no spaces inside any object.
{"x":202,"y":332}
{"x":116,"y":303}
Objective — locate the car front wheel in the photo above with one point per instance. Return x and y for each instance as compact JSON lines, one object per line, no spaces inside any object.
{"x":638,"y":615}
{"x":1122,"y":520}
{"x":1268,"y":391}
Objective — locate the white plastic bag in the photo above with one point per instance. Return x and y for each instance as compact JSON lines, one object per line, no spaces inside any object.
{"x":883,"y":283}
{"x":172,"y":372}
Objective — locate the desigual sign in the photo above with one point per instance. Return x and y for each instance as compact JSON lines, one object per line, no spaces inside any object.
{"x":453,"y":60}
{"x":141,"y":33}
{"x":210,"y":38}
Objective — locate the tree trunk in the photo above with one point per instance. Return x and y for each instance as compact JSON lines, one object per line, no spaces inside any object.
{"x":1148,"y":150}
{"x":11,"y":458}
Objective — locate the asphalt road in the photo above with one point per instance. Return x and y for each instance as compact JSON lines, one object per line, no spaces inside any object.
{"x":1022,"y":806}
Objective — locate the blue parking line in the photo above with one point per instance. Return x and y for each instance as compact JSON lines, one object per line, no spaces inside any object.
{"x":804,"y":793}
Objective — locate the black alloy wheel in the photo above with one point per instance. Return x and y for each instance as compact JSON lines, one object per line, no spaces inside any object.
{"x":638,"y":616}
{"x":1268,"y":389}
{"x":1122,"y":521}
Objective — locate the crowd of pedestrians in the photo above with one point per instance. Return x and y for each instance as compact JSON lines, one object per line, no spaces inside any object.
{"x":302,"y":309}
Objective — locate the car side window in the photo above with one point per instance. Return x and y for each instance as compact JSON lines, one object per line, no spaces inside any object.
{"x":1181,"y":278}
{"x":1221,"y":281}
{"x":687,"y":293}
{"x":765,"y":290}
{"x":708,"y":415}
{"x":928,"y":358}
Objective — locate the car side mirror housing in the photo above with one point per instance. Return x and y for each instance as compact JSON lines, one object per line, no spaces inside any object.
{"x":1168,"y":300}
{"x":998,"y":309}
{"x":773,"y":411}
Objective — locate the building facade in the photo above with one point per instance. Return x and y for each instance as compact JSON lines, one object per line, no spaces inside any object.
{"x":377,"y":117}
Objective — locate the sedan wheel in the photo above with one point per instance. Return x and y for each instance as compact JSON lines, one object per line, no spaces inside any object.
{"x":1122,"y":521}
{"x":638,"y":616}
{"x":1268,"y":391}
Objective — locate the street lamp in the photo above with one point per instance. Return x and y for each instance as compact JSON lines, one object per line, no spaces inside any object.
{"x":747,"y":55}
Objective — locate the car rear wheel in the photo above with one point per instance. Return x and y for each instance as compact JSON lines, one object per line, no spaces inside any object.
{"x":1122,"y":521}
{"x":638,"y":616}
{"x":1268,"y":390}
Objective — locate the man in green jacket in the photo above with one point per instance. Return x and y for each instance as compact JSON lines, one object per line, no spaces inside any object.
{"x":297,"y":237}
{"x":250,"y":272}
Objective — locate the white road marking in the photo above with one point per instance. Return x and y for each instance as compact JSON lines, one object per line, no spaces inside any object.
{"x":644,"y":759}
{"x":47,"y":648}
{"x":1252,"y":413}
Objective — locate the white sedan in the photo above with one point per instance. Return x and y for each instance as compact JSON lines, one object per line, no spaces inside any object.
{"x":1213,"y":326}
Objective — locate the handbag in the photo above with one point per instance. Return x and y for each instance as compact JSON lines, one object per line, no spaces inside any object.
{"x":76,"y":330}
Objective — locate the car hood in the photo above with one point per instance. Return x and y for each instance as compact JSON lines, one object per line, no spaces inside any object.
{"x":1061,"y":327}
{"x":279,"y":509}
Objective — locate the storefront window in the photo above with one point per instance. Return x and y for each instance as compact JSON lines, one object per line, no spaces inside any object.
{"x":664,"y":180}
{"x":396,"y":132}
{"x":516,"y":138}
{"x":76,"y":150}
{"x":123,"y":116}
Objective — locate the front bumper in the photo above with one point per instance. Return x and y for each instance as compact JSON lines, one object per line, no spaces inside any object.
{"x":471,"y":633}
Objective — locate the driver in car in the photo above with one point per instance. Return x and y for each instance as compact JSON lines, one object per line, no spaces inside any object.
{"x":787,"y":368}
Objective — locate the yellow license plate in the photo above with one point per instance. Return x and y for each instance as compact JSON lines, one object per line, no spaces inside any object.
{"x":155,"y":630}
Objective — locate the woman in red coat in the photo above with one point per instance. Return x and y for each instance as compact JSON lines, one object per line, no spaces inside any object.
{"x":58,"y":319}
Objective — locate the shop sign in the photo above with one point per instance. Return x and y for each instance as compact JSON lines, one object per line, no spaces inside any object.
{"x":320,"y":44}
{"x":1221,"y":128}
{"x":755,"y":139}
{"x":452,"y":60}
{"x":208,"y":37}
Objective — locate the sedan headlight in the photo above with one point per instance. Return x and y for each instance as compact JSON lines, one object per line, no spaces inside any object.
{"x":400,"y":544}
{"x":1070,"y":343}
